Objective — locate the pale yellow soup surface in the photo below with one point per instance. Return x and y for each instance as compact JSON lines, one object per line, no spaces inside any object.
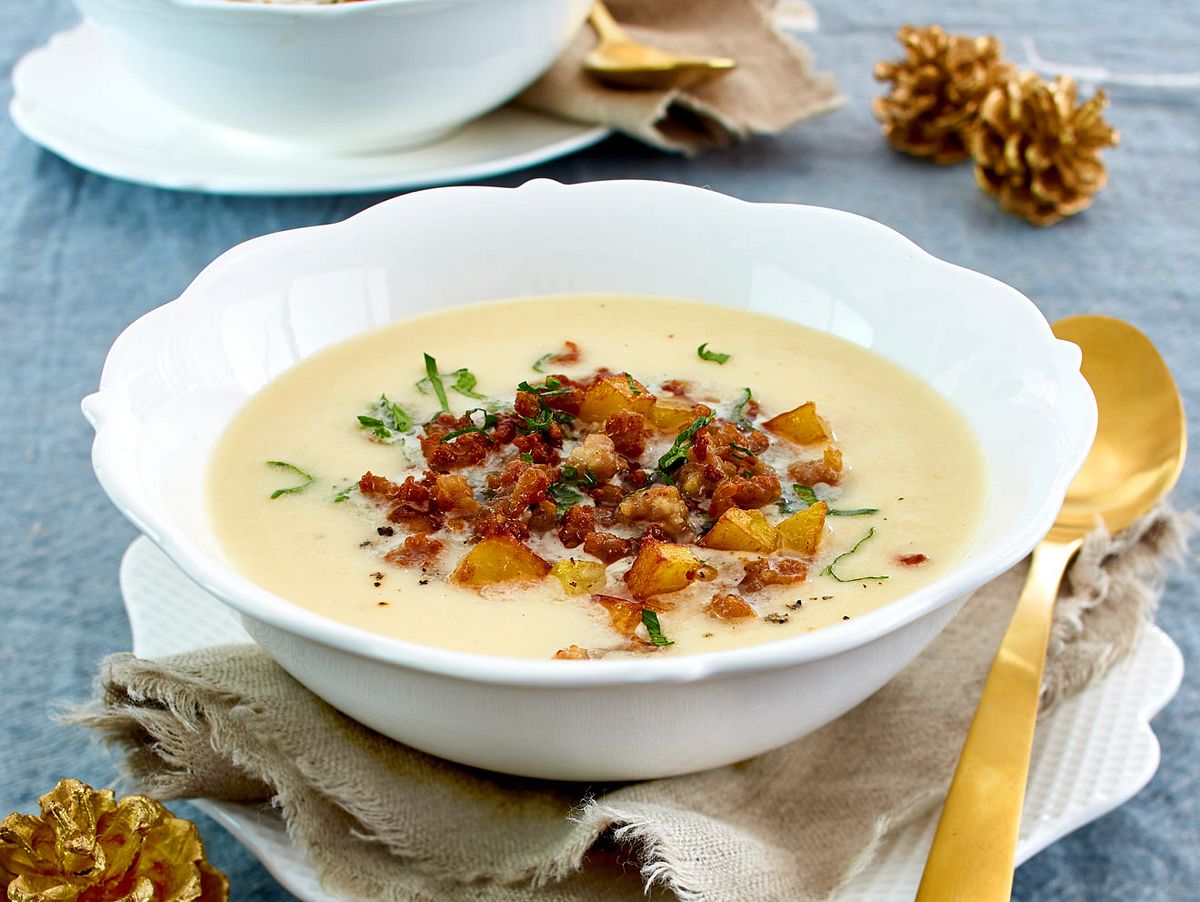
{"x":908,"y":453}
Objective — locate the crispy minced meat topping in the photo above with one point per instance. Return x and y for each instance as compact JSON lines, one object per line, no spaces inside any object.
{"x":728,"y":606}
{"x":658,"y":505}
{"x":653,"y":483}
{"x":762,"y":572}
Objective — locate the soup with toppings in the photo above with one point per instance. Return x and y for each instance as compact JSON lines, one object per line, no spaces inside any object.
{"x":595,"y":477}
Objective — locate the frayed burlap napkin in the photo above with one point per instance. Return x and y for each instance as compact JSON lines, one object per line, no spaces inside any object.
{"x":381,"y":821}
{"x":771,"y":90}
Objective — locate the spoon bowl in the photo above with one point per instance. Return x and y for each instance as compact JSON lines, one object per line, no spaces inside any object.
{"x":619,"y":60}
{"x":1137,"y":455}
{"x":1141,"y":439}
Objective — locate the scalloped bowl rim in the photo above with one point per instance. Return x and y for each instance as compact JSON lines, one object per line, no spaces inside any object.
{"x":259,"y":604}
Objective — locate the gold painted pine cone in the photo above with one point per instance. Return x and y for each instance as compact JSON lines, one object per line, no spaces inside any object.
{"x":936,"y":90}
{"x":88,"y":847}
{"x":1037,"y":149}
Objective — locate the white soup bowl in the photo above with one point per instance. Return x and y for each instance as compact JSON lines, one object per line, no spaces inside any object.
{"x":176,"y":377}
{"x":370,"y":75}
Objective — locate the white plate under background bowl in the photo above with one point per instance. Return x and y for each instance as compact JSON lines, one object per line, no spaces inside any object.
{"x":72,"y":98}
{"x":176,"y":377}
{"x":1091,"y":755}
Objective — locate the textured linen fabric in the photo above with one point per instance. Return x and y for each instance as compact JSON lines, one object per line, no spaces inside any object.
{"x":771,"y":89}
{"x":81,"y":256}
{"x":383,"y":821}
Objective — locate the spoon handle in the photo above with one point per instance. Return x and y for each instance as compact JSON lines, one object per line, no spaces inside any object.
{"x":976,"y":840}
{"x":606,"y":27}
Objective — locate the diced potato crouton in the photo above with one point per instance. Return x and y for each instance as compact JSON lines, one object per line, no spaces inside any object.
{"x":800,"y":425}
{"x":610,"y":394}
{"x":498,"y":559}
{"x":742,"y":530}
{"x":661,"y":567}
{"x":803,"y":530}
{"x":729,"y":607}
{"x":579,"y":577}
{"x":671,"y":418}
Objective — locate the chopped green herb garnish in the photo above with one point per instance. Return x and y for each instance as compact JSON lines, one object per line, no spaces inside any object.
{"x":740,"y":452}
{"x":632,"y":385}
{"x":545,"y":415}
{"x":489,"y":420}
{"x":376,"y":425}
{"x":573,"y":474}
{"x":714,"y":356}
{"x":527,"y":457}
{"x":309,"y":479}
{"x":386,"y":421}
{"x":739,"y":410}
{"x":343,"y":494}
{"x":806,"y":494}
{"x":541,"y":422}
{"x":677,"y":453}
{"x":829,"y":571}
{"x":433,"y":379}
{"x":542,"y":361}
{"x":552,"y":388}
{"x":464,"y":384}
{"x":563,"y":496}
{"x":650,"y":619}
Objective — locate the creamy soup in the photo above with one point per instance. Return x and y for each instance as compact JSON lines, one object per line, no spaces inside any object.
{"x":594,"y":477}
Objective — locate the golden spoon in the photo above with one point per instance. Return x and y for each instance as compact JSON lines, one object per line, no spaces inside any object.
{"x":1140,"y":445}
{"x":619,"y":60}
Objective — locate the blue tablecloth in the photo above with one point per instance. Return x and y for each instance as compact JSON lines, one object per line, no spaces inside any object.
{"x":81,"y":256}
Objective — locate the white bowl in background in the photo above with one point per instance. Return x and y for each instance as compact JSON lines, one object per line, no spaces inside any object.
{"x":178,"y":375}
{"x":371,"y":75}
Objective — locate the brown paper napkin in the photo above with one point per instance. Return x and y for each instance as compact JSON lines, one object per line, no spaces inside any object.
{"x":771,"y":90}
{"x":382,"y":821}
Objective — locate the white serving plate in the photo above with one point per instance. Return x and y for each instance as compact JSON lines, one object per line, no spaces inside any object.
{"x":176,"y":377}
{"x":1090,"y":756}
{"x":70,"y":97}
